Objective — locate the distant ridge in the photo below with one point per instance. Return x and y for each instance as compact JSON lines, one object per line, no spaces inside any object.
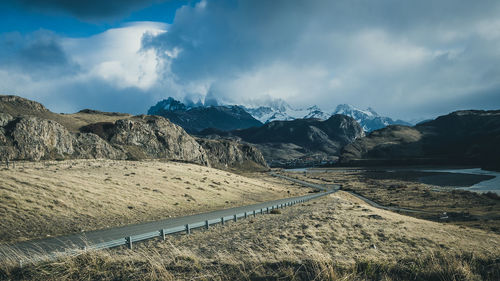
{"x":195,"y":117}
{"x":467,"y":137}
{"x":299,"y":142}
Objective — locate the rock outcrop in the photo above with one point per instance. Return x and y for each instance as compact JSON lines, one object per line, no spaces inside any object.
{"x":147,"y":136}
{"x":229,"y":153}
{"x":14,"y":105}
{"x":28,"y":131}
{"x":33,"y":138}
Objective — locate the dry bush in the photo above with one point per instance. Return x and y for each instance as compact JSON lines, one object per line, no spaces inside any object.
{"x":182,"y":265}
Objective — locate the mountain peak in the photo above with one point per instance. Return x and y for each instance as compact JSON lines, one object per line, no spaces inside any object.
{"x":368,"y":119}
{"x":169,"y":104}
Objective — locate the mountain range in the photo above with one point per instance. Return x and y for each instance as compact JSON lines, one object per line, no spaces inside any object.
{"x":195,"y":117}
{"x":198,"y":117}
{"x":299,"y":142}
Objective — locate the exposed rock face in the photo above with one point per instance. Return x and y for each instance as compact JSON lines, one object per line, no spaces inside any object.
{"x":87,"y":145}
{"x":5,"y":119}
{"x":155,"y":137}
{"x":229,"y":153}
{"x":462,"y":137}
{"x":33,"y":138}
{"x":37,"y":138}
{"x":15,"y":103}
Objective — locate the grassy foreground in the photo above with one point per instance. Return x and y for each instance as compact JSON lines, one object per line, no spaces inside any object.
{"x":41,"y":199}
{"x":144,"y":266}
{"x":335,"y":238}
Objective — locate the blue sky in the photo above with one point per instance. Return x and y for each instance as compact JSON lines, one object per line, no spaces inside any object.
{"x":406,"y":59}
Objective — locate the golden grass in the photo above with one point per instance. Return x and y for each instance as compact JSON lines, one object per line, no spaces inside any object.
{"x":334,"y":238}
{"x":402,"y":189}
{"x":40,"y":199}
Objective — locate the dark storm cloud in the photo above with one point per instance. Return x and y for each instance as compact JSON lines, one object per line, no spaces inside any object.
{"x":399,"y":57}
{"x":87,"y":9}
{"x":406,"y":59}
{"x":38,"y":54}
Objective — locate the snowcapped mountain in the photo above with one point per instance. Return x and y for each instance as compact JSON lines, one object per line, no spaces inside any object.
{"x":368,"y":119}
{"x":196,"y":117}
{"x":275,"y":110}
{"x":280,"y":110}
{"x":169,"y":104}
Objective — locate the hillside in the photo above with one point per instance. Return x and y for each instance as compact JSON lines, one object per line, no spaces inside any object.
{"x":334,"y":238}
{"x":40,"y":199}
{"x":29,"y":131}
{"x":299,"y":140}
{"x":461,"y":137}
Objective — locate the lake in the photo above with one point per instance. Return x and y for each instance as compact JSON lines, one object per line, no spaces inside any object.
{"x":473,"y":179}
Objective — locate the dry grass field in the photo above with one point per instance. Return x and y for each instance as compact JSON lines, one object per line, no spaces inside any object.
{"x":403,"y":189}
{"x":337,"y":237}
{"x":41,"y":199}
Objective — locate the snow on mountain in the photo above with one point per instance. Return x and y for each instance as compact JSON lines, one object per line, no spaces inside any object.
{"x":280,"y":110}
{"x":368,"y":119}
{"x":169,"y":104}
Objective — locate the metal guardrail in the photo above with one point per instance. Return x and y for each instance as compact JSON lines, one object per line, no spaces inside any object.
{"x":128,"y":241}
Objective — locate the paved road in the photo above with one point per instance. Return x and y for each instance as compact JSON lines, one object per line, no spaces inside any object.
{"x":80,"y":240}
{"x":368,"y":201}
{"x":376,"y":205}
{"x":304,"y":183}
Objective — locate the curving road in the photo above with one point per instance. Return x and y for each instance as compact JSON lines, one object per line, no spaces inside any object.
{"x":107,"y":238}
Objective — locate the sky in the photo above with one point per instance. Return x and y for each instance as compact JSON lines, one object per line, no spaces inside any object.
{"x":406,"y":59}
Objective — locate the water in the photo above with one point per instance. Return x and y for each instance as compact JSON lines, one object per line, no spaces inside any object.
{"x":491,"y":185}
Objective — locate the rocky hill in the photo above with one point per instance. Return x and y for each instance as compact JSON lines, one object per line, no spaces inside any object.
{"x":298,"y":142}
{"x":195,"y":119}
{"x":461,"y":137}
{"x":28,"y":131}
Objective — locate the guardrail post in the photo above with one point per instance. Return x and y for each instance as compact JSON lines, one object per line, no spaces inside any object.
{"x":254,"y":213}
{"x":207,"y":224}
{"x":267,"y":211}
{"x":235,"y":218}
{"x":129,"y":242}
{"x":222,"y":220}
{"x":188,"y":230}
{"x":162,"y":233}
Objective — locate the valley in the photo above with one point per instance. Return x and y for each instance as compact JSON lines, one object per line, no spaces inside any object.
{"x":74,"y":173}
{"x":433,"y":196}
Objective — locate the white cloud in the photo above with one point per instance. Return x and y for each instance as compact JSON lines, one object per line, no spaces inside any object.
{"x":116,"y":55}
{"x":397,"y":57}
{"x":405,"y":59}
